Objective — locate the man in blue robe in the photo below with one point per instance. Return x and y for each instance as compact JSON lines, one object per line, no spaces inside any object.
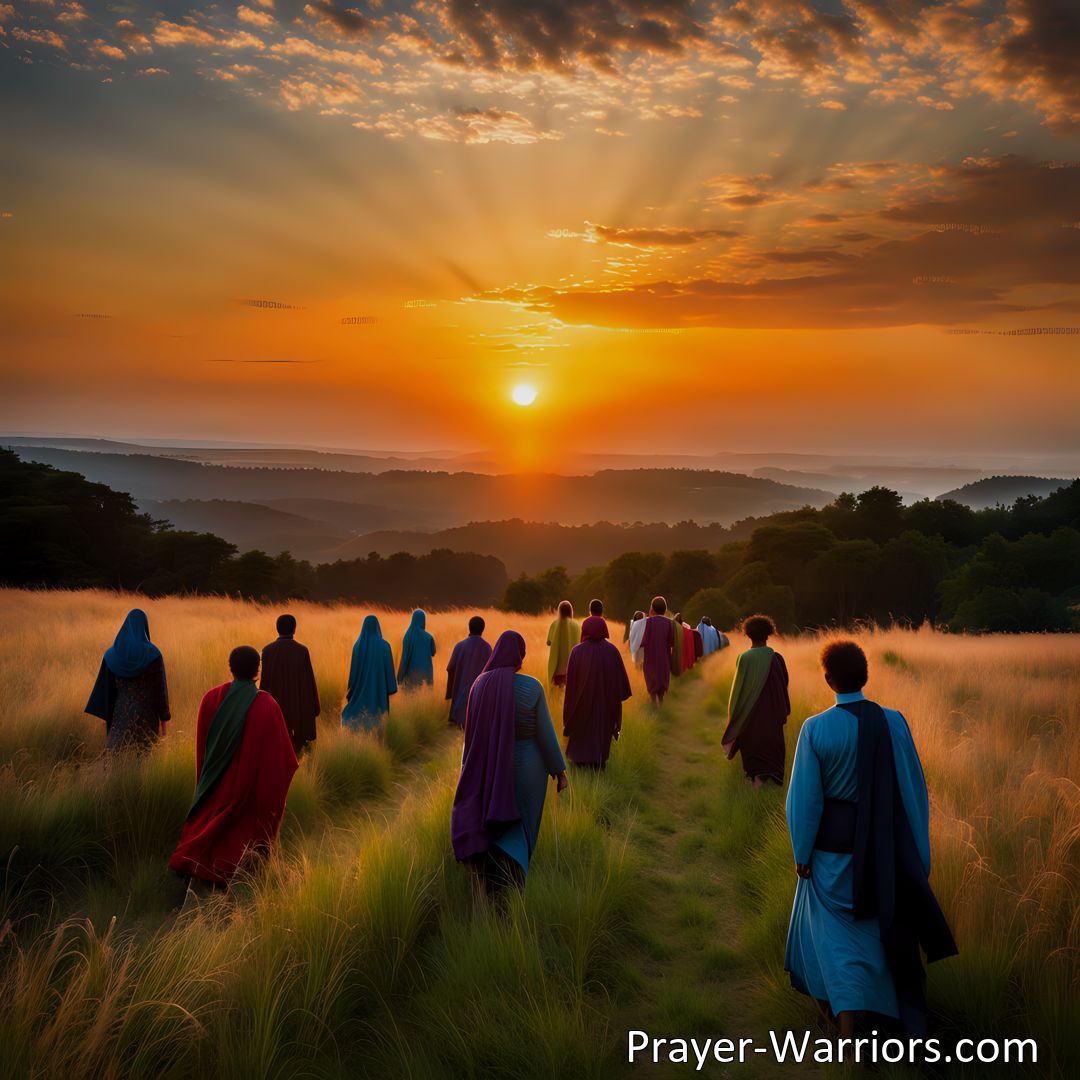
{"x":859,"y":819}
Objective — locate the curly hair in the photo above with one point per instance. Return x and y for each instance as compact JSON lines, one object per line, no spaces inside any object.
{"x":844,"y":663}
{"x":758,"y":627}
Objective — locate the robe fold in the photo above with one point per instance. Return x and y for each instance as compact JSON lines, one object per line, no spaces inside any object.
{"x":657,"y":646}
{"x":758,"y":708}
{"x":467,"y":660}
{"x":858,"y":814}
{"x":239,"y":807}
{"x":288,"y":677}
{"x":596,"y":687}
{"x":417,"y":649}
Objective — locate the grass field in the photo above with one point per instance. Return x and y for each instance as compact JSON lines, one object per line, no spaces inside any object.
{"x":658,"y":898}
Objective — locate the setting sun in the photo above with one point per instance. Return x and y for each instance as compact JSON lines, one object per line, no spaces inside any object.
{"x":523,"y":394}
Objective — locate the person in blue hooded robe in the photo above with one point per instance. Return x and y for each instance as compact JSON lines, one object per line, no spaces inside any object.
{"x":371,"y":679}
{"x":859,"y":819}
{"x":131,"y":693}
{"x":710,"y":636}
{"x":417,"y":649}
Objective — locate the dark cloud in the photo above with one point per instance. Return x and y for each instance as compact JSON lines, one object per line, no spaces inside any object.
{"x":349,"y":22}
{"x":560,"y":35}
{"x":1022,"y":246}
{"x":1000,"y":192}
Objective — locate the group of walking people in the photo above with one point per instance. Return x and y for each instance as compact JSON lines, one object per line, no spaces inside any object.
{"x":857,"y":803}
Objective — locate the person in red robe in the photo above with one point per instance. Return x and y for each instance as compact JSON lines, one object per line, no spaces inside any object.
{"x":657,"y":646}
{"x":686,"y":651}
{"x":699,"y":645}
{"x":244,"y":763}
{"x":596,"y":687}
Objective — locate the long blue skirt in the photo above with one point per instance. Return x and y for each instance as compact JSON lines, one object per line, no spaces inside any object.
{"x":831,"y":955}
{"x":530,"y":790}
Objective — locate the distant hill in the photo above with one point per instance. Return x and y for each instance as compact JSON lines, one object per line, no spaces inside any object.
{"x":250,"y":525}
{"x":419,"y":500}
{"x":530,"y":547}
{"x":1003,"y":490}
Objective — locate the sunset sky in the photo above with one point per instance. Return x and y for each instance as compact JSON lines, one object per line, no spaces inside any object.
{"x":689,"y":226}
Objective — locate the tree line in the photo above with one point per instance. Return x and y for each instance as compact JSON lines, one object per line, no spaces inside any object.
{"x":862,"y":558}
{"x":62,"y":531}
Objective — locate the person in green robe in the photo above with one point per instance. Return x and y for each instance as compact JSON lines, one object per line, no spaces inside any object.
{"x":759,"y":706}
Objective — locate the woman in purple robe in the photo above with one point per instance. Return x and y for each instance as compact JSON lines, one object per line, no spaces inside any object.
{"x":596,"y":687}
{"x":510,"y":752}
{"x":657,"y":646}
{"x":466,"y":662}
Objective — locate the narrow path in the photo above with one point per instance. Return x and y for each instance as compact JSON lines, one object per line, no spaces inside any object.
{"x":694,"y":979}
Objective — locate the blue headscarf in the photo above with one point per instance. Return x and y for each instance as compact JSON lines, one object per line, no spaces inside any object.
{"x":371,"y":677}
{"x":132,"y":652}
{"x":417,"y":649}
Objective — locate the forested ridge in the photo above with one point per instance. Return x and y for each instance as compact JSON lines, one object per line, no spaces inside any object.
{"x":865,"y":557}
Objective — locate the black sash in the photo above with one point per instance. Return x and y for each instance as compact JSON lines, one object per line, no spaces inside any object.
{"x":836,"y":832}
{"x":887,"y":874}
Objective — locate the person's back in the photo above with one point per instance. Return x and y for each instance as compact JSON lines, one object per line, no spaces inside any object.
{"x":288,"y":676}
{"x":244,"y":765}
{"x":657,"y":647}
{"x":417,"y":650}
{"x":858,"y":816}
{"x":467,"y":660}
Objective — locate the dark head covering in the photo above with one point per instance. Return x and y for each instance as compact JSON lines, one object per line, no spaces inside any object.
{"x":594,"y":628}
{"x":132,"y":652}
{"x":484,"y":803}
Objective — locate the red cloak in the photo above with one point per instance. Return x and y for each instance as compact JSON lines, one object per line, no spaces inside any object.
{"x":688,"y":651}
{"x":244,"y":810}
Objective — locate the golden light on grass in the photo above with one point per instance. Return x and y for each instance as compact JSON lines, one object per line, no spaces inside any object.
{"x":523,"y":394}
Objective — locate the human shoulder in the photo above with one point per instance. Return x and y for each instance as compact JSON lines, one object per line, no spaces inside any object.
{"x":528,"y":683}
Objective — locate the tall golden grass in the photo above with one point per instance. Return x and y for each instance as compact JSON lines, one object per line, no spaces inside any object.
{"x":996,"y":720}
{"x":319,"y":964}
{"x":358,"y":951}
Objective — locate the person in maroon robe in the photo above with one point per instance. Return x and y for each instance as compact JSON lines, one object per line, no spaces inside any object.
{"x":244,"y":764}
{"x":288,"y":677}
{"x":657,"y":645}
{"x":596,"y":687}
{"x":699,"y":645}
{"x":466,"y":662}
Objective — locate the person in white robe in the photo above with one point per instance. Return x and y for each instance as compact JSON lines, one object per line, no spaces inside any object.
{"x":637,"y":633}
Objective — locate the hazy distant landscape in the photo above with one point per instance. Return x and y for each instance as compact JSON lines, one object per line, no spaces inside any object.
{"x":328,"y":505}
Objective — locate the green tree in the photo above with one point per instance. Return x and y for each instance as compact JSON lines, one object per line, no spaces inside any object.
{"x":716,"y":604}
